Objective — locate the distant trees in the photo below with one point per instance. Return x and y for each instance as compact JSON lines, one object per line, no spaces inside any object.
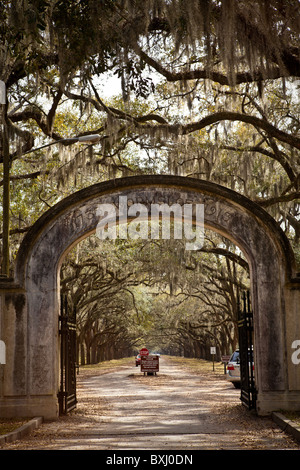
{"x":133,"y":293}
{"x":97,"y":284}
{"x":198,"y":309}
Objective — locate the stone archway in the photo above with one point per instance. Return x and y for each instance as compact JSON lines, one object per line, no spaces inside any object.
{"x":30,"y":301}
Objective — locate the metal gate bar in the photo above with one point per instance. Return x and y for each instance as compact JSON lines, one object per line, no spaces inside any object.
{"x":245,"y":324}
{"x":67,"y":394}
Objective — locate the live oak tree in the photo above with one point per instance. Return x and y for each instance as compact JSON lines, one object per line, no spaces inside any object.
{"x":97,"y":281}
{"x":209,"y":89}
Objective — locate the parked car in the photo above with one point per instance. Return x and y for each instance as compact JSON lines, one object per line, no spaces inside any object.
{"x":233,"y":369}
{"x":138,"y":360}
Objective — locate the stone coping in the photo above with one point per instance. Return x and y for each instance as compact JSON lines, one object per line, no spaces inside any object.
{"x":287,"y":425}
{"x":21,"y":431}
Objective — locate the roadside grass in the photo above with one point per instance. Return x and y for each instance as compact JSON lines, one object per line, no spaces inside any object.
{"x":199,"y":365}
{"x":106,"y":366}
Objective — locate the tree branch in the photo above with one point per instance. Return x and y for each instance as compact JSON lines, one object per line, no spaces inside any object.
{"x":240,"y":77}
{"x":275,"y":200}
{"x":230,"y":116}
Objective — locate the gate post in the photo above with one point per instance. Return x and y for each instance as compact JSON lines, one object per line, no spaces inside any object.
{"x":67,"y":393}
{"x":245,"y":324}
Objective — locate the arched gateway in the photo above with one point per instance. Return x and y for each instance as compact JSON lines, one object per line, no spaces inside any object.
{"x":29,"y":380}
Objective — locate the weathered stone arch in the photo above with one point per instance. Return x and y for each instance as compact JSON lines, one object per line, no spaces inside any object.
{"x":30,"y":301}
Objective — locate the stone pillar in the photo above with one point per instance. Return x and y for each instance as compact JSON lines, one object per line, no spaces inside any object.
{"x":292,"y":302}
{"x":25,"y":389}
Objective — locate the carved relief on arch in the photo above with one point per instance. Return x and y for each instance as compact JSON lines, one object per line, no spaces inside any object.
{"x":74,"y":222}
{"x":76,"y":216}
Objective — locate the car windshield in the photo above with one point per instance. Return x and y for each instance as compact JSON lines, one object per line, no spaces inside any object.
{"x":235,"y":357}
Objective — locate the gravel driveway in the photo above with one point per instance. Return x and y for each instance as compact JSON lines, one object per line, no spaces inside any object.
{"x":177,"y":409}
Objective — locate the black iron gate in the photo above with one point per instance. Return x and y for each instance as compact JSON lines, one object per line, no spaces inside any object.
{"x":245,"y":323}
{"x":67,"y":393}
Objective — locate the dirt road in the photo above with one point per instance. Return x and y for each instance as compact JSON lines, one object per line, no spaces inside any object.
{"x":175,"y":410}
